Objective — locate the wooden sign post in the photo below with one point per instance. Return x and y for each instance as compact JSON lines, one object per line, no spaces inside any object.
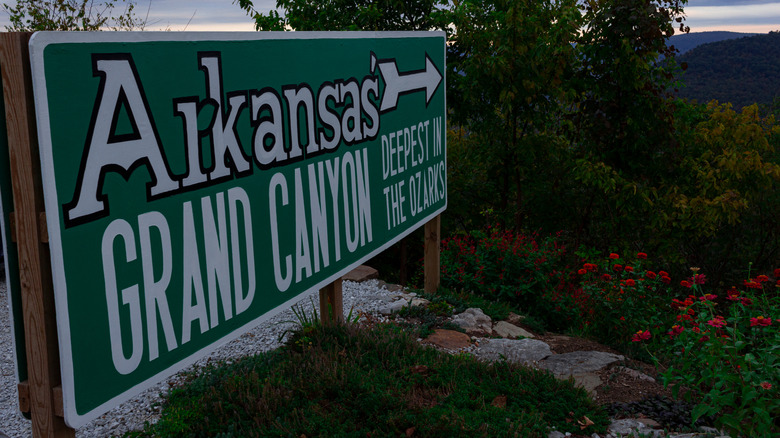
{"x":30,"y":231}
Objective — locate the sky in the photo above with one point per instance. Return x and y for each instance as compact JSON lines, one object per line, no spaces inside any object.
{"x":757,"y":16}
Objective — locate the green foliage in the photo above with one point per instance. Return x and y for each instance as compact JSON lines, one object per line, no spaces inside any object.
{"x":349,"y":15}
{"x":84,"y":15}
{"x":380,"y":382}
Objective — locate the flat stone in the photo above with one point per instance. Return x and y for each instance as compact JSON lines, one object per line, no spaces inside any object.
{"x":587,"y":381}
{"x":449,"y":339}
{"x":578,"y":362}
{"x":556,"y":434}
{"x":361,"y":273}
{"x":507,"y":330}
{"x":522,"y":351}
{"x":474,"y":321}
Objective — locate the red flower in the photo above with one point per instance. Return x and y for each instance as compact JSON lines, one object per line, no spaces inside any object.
{"x":582,"y":271}
{"x":676,"y":330}
{"x":650,"y":275}
{"x":663,"y":273}
{"x":685,"y":283}
{"x":617,"y":268}
{"x":666,"y":279}
{"x":629,"y":269}
{"x":760,"y":321}
{"x":641,"y":336}
{"x":752,"y":284}
{"x":717,"y":322}
{"x":630,"y":282}
{"x":746,"y":302}
{"x":641,"y":255}
{"x":732,"y":294}
{"x":777,"y":273}
{"x":766,"y":385}
{"x":606,"y":277}
{"x":614,"y":256}
{"x":762,"y":278}
{"x":699,"y":279}
{"x":708,"y":297}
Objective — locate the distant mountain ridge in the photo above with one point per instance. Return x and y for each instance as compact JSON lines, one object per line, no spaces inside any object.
{"x":687,"y":41}
{"x":741,"y":70}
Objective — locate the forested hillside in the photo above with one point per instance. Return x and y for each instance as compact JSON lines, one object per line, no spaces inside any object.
{"x":741,"y":71}
{"x":685,"y":42}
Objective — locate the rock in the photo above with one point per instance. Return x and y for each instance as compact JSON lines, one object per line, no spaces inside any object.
{"x":361,"y":273}
{"x":556,"y":434}
{"x":630,"y":427}
{"x":649,"y":422}
{"x":507,"y":330}
{"x":390,"y":287}
{"x":393,"y":307}
{"x":402,"y":301}
{"x":523,"y":351}
{"x":449,"y":339}
{"x":514,"y":318}
{"x":419,"y":302}
{"x":587,"y":381}
{"x":473,"y":321}
{"x":634,"y":373}
{"x":578,"y":362}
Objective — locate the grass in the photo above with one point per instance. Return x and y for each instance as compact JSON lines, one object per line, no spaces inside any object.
{"x":349,"y":381}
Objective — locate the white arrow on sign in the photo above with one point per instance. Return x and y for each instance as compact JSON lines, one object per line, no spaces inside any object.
{"x":397,"y":83}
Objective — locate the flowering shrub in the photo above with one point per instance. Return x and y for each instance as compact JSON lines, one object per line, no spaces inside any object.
{"x":625,"y":300}
{"x":725,"y":347}
{"x":522,"y":269}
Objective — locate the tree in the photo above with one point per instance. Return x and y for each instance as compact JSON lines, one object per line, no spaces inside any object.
{"x":86,"y":15}
{"x":510,"y":63}
{"x":375,"y":15}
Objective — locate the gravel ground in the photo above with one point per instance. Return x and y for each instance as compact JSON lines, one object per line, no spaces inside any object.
{"x":367,"y":296}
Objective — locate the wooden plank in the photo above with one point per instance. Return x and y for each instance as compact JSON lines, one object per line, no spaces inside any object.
{"x":431,"y":255}
{"x":56,"y":394}
{"x":24,"y":396}
{"x":34,"y":263}
{"x":332,"y":303}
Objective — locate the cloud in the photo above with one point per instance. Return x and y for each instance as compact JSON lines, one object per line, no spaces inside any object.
{"x":744,"y":17}
{"x":197,"y":15}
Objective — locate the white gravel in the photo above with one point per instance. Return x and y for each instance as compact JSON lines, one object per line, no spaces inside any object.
{"x":368,"y":296}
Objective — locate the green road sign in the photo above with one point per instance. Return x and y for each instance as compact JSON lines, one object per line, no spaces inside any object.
{"x":196,"y":184}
